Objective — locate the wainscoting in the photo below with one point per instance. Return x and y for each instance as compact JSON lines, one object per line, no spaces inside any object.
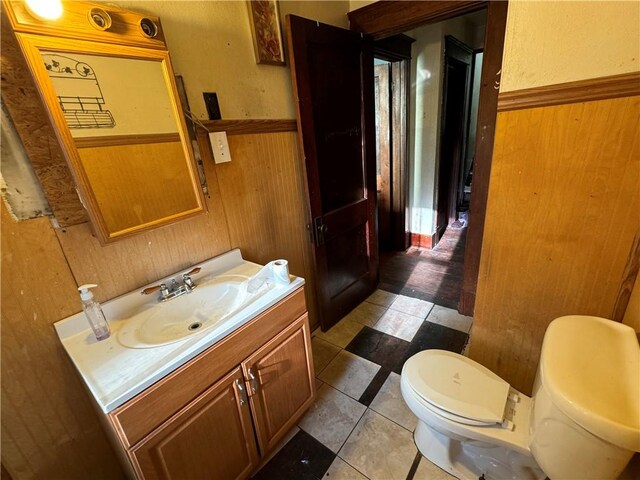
{"x":49,"y":430}
{"x":561,"y":220}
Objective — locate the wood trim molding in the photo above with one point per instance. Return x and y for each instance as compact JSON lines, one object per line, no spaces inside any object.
{"x":487,"y":115}
{"x":614,"y":86}
{"x":629,"y":278}
{"x":422,"y":241}
{"x":384,"y":18}
{"x":246,"y":127}
{"x":116,"y":140}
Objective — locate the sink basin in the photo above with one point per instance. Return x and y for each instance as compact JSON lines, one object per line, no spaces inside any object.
{"x":210,"y":304}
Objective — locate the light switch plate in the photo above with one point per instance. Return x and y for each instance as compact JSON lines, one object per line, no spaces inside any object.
{"x":220,"y":147}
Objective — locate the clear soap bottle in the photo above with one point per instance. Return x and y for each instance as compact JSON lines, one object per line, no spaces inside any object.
{"x":94,"y":313}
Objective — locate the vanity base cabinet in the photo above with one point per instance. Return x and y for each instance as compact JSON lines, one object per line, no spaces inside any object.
{"x":212,"y":437}
{"x":241,"y":397}
{"x":280,"y":383}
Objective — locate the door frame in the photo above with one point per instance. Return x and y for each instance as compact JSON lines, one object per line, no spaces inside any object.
{"x":397,"y":51}
{"x":455,"y":51}
{"x":385,"y":18}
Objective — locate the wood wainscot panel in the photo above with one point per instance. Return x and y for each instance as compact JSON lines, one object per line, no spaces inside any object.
{"x":561,"y":222}
{"x":263,"y":197}
{"x":49,"y":427}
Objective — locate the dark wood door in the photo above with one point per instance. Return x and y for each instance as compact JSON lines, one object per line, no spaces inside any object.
{"x":457,"y":86}
{"x":332,"y":74}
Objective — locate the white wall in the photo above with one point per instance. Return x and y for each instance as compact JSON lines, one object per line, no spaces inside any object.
{"x":211,"y":47}
{"x":424,"y":116}
{"x":554,"y":42}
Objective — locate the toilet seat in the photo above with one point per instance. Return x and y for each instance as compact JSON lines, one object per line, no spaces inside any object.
{"x":457,"y":388}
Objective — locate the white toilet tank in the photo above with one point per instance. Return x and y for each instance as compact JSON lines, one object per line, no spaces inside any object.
{"x":586,"y":399}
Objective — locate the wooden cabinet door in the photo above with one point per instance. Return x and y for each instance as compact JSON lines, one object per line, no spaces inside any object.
{"x":210,"y":438}
{"x":280,"y":383}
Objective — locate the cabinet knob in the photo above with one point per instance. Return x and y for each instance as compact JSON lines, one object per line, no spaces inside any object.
{"x":253,"y":380}
{"x":241,"y":392}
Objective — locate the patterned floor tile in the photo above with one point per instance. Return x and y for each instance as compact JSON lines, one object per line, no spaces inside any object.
{"x":450,"y":318}
{"x":389,"y":402}
{"x":431,"y":335}
{"x":412,"y":306}
{"x":366,"y":313}
{"x":374,"y":386}
{"x":349,"y":373}
{"x":341,"y":333}
{"x":332,"y":417}
{"x":399,"y":324}
{"x":303,"y":458}
{"x":323,"y":353}
{"x":380,"y":348}
{"x":341,"y":470}
{"x":379,"y":448}
{"x":292,"y":433}
{"x":381,"y":297}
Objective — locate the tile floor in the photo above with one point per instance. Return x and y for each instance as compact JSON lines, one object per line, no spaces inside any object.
{"x":359,"y":427}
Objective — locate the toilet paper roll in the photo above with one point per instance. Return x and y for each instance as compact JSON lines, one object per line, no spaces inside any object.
{"x":281,"y":272}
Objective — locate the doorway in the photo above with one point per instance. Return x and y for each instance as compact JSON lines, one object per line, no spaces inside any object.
{"x":392,"y":59}
{"x":380,"y":20}
{"x":442,"y":110}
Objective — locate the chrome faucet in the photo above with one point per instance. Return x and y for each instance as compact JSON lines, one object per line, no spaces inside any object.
{"x":175,"y":289}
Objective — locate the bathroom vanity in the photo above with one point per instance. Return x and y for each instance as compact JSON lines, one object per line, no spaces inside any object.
{"x":212,"y":404}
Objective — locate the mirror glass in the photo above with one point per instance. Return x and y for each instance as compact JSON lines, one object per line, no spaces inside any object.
{"x":116,"y":113}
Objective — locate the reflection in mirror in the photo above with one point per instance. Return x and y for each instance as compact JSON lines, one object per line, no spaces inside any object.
{"x":126,"y":133}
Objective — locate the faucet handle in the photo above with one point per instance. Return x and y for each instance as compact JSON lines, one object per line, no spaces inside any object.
{"x":155,"y":288}
{"x":192,"y":272}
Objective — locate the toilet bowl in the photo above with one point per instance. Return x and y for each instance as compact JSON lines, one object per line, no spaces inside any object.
{"x":582,"y":422}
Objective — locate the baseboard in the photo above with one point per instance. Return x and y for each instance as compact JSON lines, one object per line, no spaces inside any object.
{"x":422,"y":241}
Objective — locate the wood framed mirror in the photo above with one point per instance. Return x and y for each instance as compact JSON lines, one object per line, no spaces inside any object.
{"x":117,"y":115}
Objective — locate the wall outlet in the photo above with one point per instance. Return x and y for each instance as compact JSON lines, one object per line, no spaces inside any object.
{"x":213,"y":108}
{"x":220,"y":147}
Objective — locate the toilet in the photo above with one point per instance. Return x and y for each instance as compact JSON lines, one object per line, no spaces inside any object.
{"x":582,"y":422}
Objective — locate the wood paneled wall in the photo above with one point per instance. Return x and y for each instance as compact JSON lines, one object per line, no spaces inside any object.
{"x":263,"y":196}
{"x":49,"y":428}
{"x":561,"y":220}
{"x":256,"y":203}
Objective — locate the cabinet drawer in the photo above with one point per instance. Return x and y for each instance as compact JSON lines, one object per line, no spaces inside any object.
{"x":142,"y":414}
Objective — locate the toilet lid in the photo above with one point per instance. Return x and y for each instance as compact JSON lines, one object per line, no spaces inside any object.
{"x":458,"y":385}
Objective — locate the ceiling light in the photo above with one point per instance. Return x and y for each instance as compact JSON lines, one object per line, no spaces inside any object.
{"x":45,"y":9}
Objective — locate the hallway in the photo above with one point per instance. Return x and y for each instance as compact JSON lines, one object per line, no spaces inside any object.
{"x":432,"y":275}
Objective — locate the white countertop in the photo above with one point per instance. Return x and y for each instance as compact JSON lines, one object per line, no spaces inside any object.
{"x":114,"y":373}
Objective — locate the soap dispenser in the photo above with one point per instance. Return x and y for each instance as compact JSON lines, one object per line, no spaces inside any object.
{"x":94,"y":312}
